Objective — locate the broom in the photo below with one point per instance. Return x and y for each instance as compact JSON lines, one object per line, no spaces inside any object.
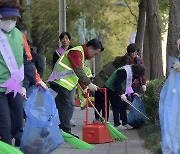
{"x":115,"y":134}
{"x":75,"y":142}
{"x":8,"y":149}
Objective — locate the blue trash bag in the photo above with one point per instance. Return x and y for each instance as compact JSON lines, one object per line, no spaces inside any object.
{"x":169,"y":114}
{"x":41,"y":132}
{"x":135,"y":118}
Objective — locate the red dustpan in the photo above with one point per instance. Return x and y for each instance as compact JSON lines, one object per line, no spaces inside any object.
{"x":96,"y":133}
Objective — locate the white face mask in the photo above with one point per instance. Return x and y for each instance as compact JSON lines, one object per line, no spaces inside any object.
{"x":7,"y":25}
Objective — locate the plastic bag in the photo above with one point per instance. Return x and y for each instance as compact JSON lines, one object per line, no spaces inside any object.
{"x":135,"y":118}
{"x":41,"y":132}
{"x":169,"y":114}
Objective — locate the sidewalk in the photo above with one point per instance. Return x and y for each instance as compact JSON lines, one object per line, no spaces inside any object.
{"x":131,"y":146}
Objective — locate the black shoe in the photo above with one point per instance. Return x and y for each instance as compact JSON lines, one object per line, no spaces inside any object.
{"x":17,"y":142}
{"x":73,"y":135}
{"x":82,"y":108}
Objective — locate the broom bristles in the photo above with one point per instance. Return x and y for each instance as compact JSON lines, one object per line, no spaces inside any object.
{"x":75,"y":142}
{"x":6,"y":148}
{"x":118,"y":134}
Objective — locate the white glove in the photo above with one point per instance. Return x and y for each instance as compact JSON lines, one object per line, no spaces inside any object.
{"x":176,"y":66}
{"x":85,"y":90}
{"x":123,"y":97}
{"x":144,"y":88}
{"x":136,"y":94}
{"x":24,"y":93}
{"x":42,"y":84}
{"x":92,"y":87}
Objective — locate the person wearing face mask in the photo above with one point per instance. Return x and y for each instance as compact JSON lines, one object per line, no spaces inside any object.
{"x":140,"y":82}
{"x":12,"y":71}
{"x":67,"y":71}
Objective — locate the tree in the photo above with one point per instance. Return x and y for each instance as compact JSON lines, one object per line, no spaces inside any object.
{"x":45,"y":29}
{"x":173,"y":28}
{"x":154,"y":31}
{"x":141,"y":25}
{"x":146,"y":52}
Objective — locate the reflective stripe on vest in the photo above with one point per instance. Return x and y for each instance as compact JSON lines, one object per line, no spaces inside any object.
{"x":69,"y":83}
{"x":64,"y":65}
{"x":71,"y":80}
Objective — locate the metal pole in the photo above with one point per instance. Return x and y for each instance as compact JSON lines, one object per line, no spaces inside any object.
{"x":62,"y":16}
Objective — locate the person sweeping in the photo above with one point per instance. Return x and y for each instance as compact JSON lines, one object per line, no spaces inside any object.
{"x":119,"y":85}
{"x":66,"y":73}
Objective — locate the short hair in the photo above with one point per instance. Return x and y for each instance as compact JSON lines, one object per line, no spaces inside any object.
{"x":117,"y":62}
{"x":138,"y":69}
{"x":132,"y":48}
{"x":125,"y":60}
{"x":61,"y":36}
{"x":96,"y":44}
{"x":21,"y":27}
{"x":121,"y":61}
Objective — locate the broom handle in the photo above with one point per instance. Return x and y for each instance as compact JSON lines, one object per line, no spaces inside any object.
{"x":91,"y":102}
{"x":136,"y":109}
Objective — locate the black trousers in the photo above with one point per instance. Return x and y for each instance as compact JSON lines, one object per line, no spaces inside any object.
{"x":118,"y":108}
{"x":65,"y":105}
{"x":99,"y":104}
{"x":11,"y":115}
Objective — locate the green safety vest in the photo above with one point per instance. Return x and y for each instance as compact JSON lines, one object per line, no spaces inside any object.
{"x":110,"y":82}
{"x":15,"y":40}
{"x":70,"y":79}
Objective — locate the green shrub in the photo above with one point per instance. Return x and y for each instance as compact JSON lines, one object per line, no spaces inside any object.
{"x":150,"y":132}
{"x":151,"y":135}
{"x":151,"y":98}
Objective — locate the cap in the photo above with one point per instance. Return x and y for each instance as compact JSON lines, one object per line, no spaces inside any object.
{"x":8,"y":11}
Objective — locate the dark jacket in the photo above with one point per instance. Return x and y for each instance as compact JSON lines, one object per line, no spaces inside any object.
{"x":56,"y":57}
{"x":104,"y":74}
{"x":38,"y":62}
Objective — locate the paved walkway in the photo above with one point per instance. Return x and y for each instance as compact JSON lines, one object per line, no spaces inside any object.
{"x":131,"y":146}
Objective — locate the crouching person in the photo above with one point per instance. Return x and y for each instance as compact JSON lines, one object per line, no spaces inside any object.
{"x":119,"y":85}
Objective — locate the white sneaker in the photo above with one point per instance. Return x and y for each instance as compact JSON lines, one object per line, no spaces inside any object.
{"x":121,"y":127}
{"x":128,"y":126}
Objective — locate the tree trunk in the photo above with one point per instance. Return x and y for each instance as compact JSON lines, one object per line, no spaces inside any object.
{"x":146,"y":53}
{"x":156,"y":64}
{"x":141,"y":26}
{"x":173,"y":28}
{"x":97,"y":64}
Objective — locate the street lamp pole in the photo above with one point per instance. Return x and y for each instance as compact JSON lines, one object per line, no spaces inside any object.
{"x":62,"y":16}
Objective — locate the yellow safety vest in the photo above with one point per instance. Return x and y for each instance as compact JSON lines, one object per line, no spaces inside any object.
{"x":69,"y":79}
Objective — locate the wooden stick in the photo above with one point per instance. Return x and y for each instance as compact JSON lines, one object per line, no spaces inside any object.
{"x":91,"y":102}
